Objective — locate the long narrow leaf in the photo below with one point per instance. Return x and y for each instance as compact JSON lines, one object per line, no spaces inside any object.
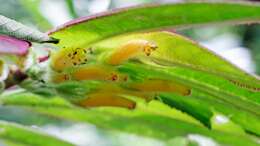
{"x":20,"y":135}
{"x":86,"y":30}
{"x":139,"y":122}
{"x":15,"y":29}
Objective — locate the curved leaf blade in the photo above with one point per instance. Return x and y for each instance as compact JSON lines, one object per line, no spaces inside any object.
{"x":173,"y":49}
{"x":138,"y":122}
{"x":149,"y":125}
{"x":15,"y":29}
{"x":208,"y":87}
{"x":18,"y":134}
{"x":87,"y":30}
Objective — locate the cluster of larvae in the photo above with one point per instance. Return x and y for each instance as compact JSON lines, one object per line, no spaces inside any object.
{"x":79,"y":65}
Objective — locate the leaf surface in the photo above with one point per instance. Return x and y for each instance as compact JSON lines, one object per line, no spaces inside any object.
{"x":139,"y":122}
{"x":173,"y":49}
{"x":15,"y":29}
{"x":84,"y":31}
{"x":20,"y":136}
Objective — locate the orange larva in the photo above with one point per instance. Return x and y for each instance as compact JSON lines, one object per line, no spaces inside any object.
{"x":131,"y":49}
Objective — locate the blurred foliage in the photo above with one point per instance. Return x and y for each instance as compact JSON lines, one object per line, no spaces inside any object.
{"x":25,"y":11}
{"x":251,"y":39}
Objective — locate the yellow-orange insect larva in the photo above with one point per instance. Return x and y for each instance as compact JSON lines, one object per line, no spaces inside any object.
{"x":69,"y":57}
{"x":156,"y":85}
{"x":59,"y":77}
{"x":131,"y":49}
{"x":97,"y":72}
{"x":106,"y":99}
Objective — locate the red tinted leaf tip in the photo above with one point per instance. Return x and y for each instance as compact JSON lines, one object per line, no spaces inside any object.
{"x":10,"y":45}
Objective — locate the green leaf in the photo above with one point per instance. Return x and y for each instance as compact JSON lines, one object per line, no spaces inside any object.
{"x":177,"y":50}
{"x":29,"y":99}
{"x":199,"y":105}
{"x":84,"y":31}
{"x":223,"y":123}
{"x":15,"y":29}
{"x":216,"y":92}
{"x":203,"y":106}
{"x":22,"y":116}
{"x":149,"y":125}
{"x":173,"y":49}
{"x":17,"y":135}
{"x":140,"y":122}
{"x":32,"y":99}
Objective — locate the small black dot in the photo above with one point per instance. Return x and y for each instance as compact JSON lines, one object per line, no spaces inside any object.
{"x":90,"y":50}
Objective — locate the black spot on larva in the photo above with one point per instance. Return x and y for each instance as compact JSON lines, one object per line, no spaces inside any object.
{"x":125,"y":78}
{"x":74,"y":63}
{"x":66,"y":77}
{"x":75,"y":53}
{"x":90,"y":50}
{"x":113,"y":77}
